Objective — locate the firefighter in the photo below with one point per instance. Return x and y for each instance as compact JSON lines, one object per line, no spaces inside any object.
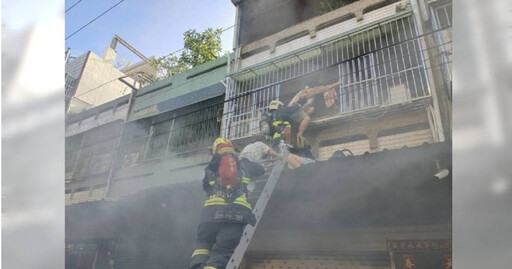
{"x":301,"y":107}
{"x":225,"y":213}
{"x":279,"y":127}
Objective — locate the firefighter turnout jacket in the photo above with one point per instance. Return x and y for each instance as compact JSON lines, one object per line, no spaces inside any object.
{"x":223,"y":218}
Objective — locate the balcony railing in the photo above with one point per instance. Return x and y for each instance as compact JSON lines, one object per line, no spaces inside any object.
{"x":380,"y":66}
{"x":321,"y":28}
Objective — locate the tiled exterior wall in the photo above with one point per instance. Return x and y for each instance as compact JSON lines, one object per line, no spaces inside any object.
{"x":357,"y":147}
{"x":95,"y":121}
{"x":409,"y":139}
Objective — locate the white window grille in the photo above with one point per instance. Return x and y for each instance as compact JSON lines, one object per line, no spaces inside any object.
{"x":70,"y":84}
{"x":382,"y":65}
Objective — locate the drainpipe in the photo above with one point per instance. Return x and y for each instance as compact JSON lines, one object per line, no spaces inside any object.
{"x":121,"y":132}
{"x":436,"y":114}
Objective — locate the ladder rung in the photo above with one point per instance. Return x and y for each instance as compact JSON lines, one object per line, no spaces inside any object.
{"x":264,"y":186}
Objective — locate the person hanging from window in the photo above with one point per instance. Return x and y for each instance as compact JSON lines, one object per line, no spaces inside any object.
{"x":226,"y":210}
{"x":301,"y":107}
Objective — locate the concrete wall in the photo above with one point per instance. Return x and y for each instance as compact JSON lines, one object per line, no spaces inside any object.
{"x":99,"y":84}
{"x":348,"y":239}
{"x":159,"y":173}
{"x":271,"y":47}
{"x":370,"y":134}
{"x":92,"y":118}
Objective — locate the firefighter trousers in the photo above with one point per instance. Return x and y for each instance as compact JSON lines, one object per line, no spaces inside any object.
{"x":215,"y":243}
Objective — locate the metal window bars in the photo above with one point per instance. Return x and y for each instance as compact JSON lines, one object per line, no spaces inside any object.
{"x":70,"y":84}
{"x":90,"y":154}
{"x":156,"y":138}
{"x":144,"y":140}
{"x":379,"y":66}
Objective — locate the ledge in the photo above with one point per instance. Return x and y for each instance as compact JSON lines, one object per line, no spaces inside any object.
{"x":311,"y":26}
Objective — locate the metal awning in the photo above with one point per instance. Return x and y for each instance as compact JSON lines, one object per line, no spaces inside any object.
{"x":191,"y":98}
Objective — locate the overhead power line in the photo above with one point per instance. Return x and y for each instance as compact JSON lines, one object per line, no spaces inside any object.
{"x":344,"y":61}
{"x":99,"y":16}
{"x":73,"y":6}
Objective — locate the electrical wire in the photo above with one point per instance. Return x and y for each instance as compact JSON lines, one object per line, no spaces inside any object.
{"x":73,"y":6}
{"x":99,"y":16}
{"x":391,"y":75}
{"x":438,"y":66}
{"x":97,"y":87}
{"x":344,"y":61}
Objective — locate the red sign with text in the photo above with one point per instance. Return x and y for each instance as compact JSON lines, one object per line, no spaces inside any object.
{"x":408,"y":262}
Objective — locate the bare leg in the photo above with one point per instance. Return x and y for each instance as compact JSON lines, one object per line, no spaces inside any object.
{"x":303,"y":125}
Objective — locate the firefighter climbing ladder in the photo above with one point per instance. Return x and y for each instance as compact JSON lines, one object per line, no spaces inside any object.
{"x":264,"y":196}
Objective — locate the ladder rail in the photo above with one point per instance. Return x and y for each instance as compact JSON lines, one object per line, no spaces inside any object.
{"x":259,"y":208}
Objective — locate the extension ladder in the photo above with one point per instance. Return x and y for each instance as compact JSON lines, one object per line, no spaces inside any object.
{"x":264,"y":186}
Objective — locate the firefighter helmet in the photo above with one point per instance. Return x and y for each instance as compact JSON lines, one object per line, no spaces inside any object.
{"x":222,"y":145}
{"x":275,"y":104}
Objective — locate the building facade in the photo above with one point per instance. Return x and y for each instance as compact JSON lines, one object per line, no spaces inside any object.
{"x":158,"y":137}
{"x":388,"y":206}
{"x":393,"y":58}
{"x":91,"y":80}
{"x":394,"y":61}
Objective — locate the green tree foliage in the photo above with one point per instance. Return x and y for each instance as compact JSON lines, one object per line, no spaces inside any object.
{"x":198,"y":48}
{"x":330,"y":5}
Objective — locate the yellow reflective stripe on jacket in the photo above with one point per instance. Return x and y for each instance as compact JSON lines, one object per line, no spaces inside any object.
{"x":242,"y":200}
{"x":217,"y":200}
{"x":209,"y":267}
{"x":277,"y":135}
{"x":201,"y":251}
{"x":245,"y":180}
{"x":280,"y":122}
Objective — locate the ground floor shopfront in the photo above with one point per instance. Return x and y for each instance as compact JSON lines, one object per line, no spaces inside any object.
{"x":382,"y":210}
